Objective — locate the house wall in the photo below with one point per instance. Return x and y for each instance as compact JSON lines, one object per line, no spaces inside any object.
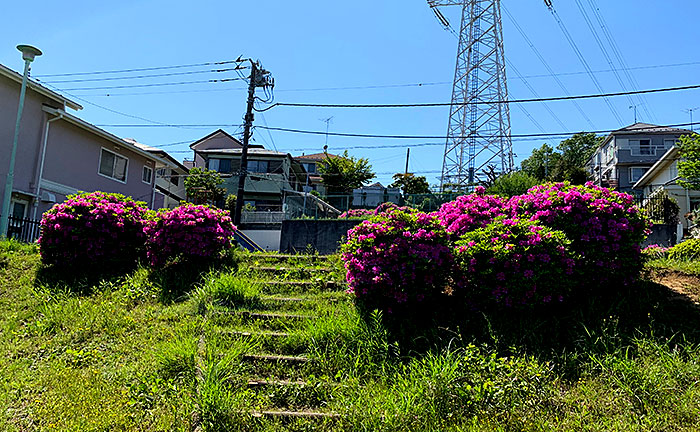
{"x":30,"y":135}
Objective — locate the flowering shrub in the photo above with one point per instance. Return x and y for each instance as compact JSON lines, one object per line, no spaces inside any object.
{"x":397,"y":260}
{"x":688,"y":250}
{"x":514,"y":262}
{"x":469,"y":212}
{"x":389,"y":206}
{"x":190,"y":232}
{"x":604,"y":227}
{"x":93,"y":229}
{"x":655,"y":251}
{"x":356,"y":214}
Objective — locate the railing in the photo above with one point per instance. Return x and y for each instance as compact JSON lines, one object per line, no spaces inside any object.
{"x":24,"y":230}
{"x":269,"y":217}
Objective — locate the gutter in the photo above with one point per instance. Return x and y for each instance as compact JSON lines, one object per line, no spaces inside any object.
{"x":41,"y":164}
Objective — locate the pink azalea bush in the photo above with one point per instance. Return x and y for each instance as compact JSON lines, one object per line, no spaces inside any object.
{"x":188,"y":232}
{"x":397,"y":260}
{"x":469,"y":212}
{"x":93,"y":229}
{"x":514,"y":262}
{"x":356,"y":214}
{"x":604,"y":226}
{"x":655,"y":251}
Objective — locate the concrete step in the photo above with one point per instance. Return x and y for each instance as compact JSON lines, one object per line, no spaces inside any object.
{"x":295,"y":414}
{"x":275,"y":358}
{"x":291,"y":269}
{"x":259,"y":383}
{"x":255,"y":334}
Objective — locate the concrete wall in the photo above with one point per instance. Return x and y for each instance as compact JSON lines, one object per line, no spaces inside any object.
{"x":266,"y":239}
{"x":662,"y":235}
{"x":323,"y":236}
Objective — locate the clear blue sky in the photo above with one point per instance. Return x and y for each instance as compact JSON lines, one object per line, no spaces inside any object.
{"x":321,"y":44}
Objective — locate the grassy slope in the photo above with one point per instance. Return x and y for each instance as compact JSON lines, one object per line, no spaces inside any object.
{"x":122,"y":356}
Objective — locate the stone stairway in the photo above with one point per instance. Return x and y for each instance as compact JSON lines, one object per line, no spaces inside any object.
{"x":279,"y":369}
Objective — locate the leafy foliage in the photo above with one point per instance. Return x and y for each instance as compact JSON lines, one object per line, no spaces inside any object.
{"x":203,"y":186}
{"x":516,"y":263}
{"x":93,"y":230}
{"x":472,"y":211}
{"x":344,"y":173}
{"x":688,"y":250}
{"x":511,"y":184}
{"x":689,"y":163}
{"x":565,"y":164}
{"x":410,"y":183}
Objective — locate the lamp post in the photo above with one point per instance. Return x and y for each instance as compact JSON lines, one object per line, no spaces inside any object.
{"x":28,"y":54}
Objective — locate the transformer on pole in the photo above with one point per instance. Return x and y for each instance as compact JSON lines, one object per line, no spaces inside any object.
{"x":478,"y":134}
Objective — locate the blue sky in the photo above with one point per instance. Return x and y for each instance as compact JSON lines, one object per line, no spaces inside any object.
{"x":320,"y":45}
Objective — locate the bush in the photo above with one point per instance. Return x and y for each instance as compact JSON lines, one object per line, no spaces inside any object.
{"x":188,"y":233}
{"x":688,"y":250}
{"x":356,"y":214}
{"x":655,"y":251}
{"x":604,"y":227}
{"x":93,"y":230}
{"x":469,"y":212}
{"x":397,"y":260}
{"x":514,"y":262}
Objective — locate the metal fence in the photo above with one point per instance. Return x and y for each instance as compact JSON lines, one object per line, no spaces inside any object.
{"x":24,"y":230}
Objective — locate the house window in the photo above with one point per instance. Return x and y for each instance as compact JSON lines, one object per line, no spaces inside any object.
{"x":309,"y":167}
{"x":642,"y":147}
{"x":147,"y":175}
{"x":609,"y":153}
{"x":636,"y":173}
{"x":668,"y":143}
{"x":258,"y":166}
{"x":113,"y":165}
{"x":220,"y":165}
{"x":174,"y":179}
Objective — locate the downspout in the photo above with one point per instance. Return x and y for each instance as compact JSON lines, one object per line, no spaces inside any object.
{"x":153,"y":194}
{"x":41,"y":165}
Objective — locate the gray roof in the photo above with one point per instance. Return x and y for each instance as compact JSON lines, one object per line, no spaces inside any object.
{"x":235,"y":151}
{"x":647,"y":128}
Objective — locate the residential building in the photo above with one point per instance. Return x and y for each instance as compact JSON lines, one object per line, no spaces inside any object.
{"x":170,"y":181}
{"x":59,"y":154}
{"x":310,"y":164}
{"x":627,"y":153}
{"x":270,"y":173}
{"x":373,"y":195}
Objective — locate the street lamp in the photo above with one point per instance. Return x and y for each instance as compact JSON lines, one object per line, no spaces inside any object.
{"x":28,"y":54}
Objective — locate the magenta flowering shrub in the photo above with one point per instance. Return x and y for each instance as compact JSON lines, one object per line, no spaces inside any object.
{"x":655,"y":251}
{"x":604,"y":226}
{"x":188,"y":233}
{"x":514,"y":262}
{"x":93,"y":229}
{"x":397,"y":260}
{"x":356,"y":214}
{"x":469,"y":212}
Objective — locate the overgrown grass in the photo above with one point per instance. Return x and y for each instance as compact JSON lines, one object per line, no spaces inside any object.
{"x":124,"y":353}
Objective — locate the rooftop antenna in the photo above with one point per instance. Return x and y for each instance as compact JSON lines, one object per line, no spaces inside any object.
{"x":690,"y":111}
{"x":327,"y":121}
{"x":635,"y":112}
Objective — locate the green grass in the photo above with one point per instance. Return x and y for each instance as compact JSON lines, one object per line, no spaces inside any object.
{"x":157,"y":351}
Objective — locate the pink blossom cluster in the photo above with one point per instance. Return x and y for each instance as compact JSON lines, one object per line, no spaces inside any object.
{"x":604,"y":226}
{"x":356,"y":214}
{"x":469,"y":212}
{"x":188,"y":232}
{"x":93,"y":229}
{"x":396,"y":260}
{"x":656,"y":251}
{"x":514,"y":262}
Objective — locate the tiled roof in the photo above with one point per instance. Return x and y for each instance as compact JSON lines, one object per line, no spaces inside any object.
{"x":316,"y":156}
{"x":649,"y":128}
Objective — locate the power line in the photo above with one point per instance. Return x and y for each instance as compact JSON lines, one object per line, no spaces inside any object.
{"x":140,"y":76}
{"x":534,"y":92}
{"x":154,"y":84}
{"x":440,"y":104}
{"x":139,"y":69}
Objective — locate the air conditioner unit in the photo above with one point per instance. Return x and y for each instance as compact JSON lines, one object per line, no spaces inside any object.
{"x":48,"y":197}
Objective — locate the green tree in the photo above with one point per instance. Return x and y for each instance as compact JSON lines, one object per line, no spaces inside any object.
{"x":202,"y":186}
{"x":566,"y":162}
{"x":689,"y":163}
{"x":344,"y":173}
{"x":515,"y":183}
{"x":541,"y":163}
{"x":410,"y":183}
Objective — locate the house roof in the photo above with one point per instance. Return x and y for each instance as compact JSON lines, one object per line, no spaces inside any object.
{"x":648,"y":128}
{"x":316,"y":156}
{"x":156,"y":151}
{"x":235,"y":151}
{"x":660,"y":165}
{"x":213,"y":134}
{"x":35,"y":86}
{"x":103,"y":133}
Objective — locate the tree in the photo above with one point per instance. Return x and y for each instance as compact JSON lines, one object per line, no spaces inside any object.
{"x":541,"y":163}
{"x":202,"y":186}
{"x":410,"y":184}
{"x":689,"y":163}
{"x":515,"y":183}
{"x":566,"y":163}
{"x":344,"y":173}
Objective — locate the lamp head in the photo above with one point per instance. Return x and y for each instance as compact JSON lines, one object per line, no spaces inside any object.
{"x":29,"y":52}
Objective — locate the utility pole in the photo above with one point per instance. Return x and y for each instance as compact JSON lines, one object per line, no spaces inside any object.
{"x":259,"y":77}
{"x":408,"y":154}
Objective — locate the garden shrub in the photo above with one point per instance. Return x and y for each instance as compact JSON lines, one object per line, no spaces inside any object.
{"x":397,"y":260}
{"x":94,"y":230}
{"x":688,"y":250}
{"x":655,"y":251}
{"x":469,"y":212}
{"x":604,"y":226}
{"x":188,"y":233}
{"x":356,"y":214}
{"x":514,"y":262}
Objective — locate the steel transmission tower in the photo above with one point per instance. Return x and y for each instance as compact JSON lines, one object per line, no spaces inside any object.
{"x":478,"y":134}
